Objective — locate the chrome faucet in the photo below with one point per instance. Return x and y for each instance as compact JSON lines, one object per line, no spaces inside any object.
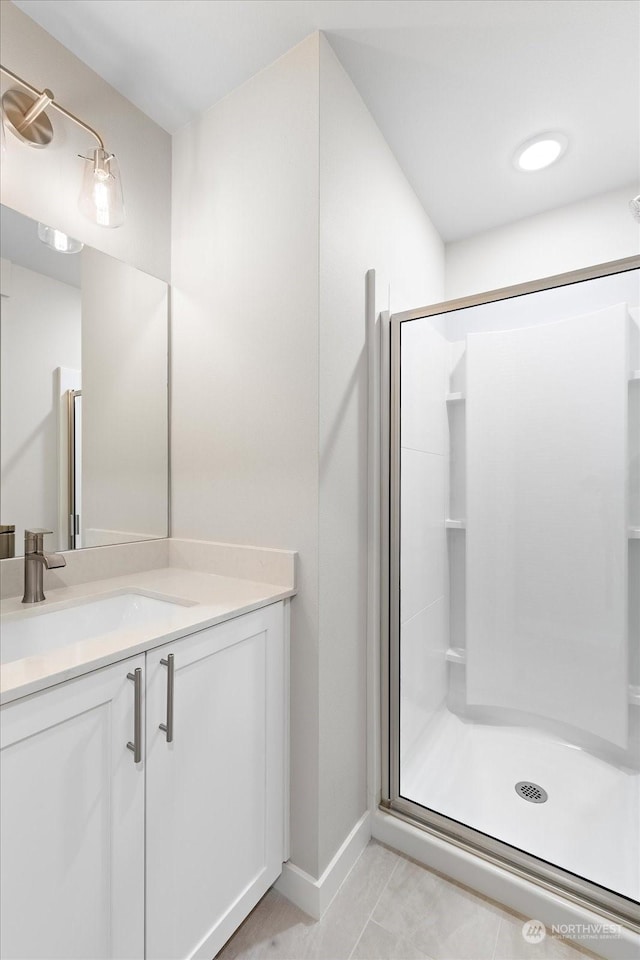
{"x":35,"y":560}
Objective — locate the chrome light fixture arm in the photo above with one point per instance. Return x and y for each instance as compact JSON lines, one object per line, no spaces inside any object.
{"x":23,"y":113}
{"x":44,"y":99}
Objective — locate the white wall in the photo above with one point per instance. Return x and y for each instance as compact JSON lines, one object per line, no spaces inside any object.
{"x":285,"y":193}
{"x":245,"y":356}
{"x":369,"y":218}
{"x":577,"y":235}
{"x":44,"y":184}
{"x":40,"y":332}
{"x":125,"y":470}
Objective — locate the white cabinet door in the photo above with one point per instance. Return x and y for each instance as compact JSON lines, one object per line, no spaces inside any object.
{"x":72,"y":821}
{"x":215,"y":793}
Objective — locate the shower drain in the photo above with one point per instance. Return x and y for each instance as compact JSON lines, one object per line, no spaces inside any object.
{"x":531,"y":792}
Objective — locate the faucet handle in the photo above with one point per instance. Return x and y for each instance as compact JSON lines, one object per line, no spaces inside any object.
{"x":34,"y":539}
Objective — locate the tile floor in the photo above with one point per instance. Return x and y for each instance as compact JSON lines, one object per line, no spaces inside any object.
{"x":390,"y":908}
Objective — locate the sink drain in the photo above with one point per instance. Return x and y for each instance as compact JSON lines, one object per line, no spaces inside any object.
{"x":531,"y":792}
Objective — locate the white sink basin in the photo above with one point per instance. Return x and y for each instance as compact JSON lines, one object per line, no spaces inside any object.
{"x":46,"y":630}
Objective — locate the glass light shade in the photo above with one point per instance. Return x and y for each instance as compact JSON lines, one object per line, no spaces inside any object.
{"x":101,"y":197}
{"x":57,"y":240}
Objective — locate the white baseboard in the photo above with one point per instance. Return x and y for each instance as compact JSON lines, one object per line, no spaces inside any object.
{"x":314,"y":896}
{"x":500,"y":885}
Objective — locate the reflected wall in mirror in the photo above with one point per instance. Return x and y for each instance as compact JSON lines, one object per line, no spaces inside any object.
{"x":84,"y":403}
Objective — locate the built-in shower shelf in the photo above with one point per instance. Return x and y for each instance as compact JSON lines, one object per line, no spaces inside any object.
{"x":634,"y":375}
{"x":634,"y":533}
{"x":456,"y":655}
{"x":455,"y":524}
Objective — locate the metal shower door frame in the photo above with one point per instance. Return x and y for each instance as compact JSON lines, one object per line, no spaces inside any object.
{"x":613,"y":907}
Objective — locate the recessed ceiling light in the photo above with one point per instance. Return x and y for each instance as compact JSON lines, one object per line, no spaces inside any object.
{"x":540,"y":152}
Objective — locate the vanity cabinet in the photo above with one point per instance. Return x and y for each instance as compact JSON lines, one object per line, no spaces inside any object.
{"x":215,"y":789}
{"x":72,"y":821}
{"x":96,"y":847}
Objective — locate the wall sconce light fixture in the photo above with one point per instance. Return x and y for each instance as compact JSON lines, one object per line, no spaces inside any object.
{"x":23,"y":114}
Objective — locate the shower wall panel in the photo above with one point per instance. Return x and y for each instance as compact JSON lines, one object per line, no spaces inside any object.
{"x":424,"y":604}
{"x":547,"y":521}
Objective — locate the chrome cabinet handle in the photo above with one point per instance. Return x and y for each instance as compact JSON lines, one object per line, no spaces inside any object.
{"x":136,"y":746}
{"x":168,"y":726}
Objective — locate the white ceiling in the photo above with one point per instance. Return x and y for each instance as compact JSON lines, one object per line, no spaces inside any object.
{"x":455,"y":85}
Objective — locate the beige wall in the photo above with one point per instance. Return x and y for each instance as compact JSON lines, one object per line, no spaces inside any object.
{"x":577,"y":235}
{"x":44,"y":184}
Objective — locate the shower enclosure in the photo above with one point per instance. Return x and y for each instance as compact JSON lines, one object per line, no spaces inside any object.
{"x":514,"y":580}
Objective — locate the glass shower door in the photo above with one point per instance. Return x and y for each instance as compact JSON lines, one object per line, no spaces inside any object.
{"x":515,"y":600}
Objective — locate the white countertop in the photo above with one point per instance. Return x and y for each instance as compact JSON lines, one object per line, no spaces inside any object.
{"x":207,"y":599}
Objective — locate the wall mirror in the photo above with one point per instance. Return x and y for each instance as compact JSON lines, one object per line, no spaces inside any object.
{"x":84,"y":399}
